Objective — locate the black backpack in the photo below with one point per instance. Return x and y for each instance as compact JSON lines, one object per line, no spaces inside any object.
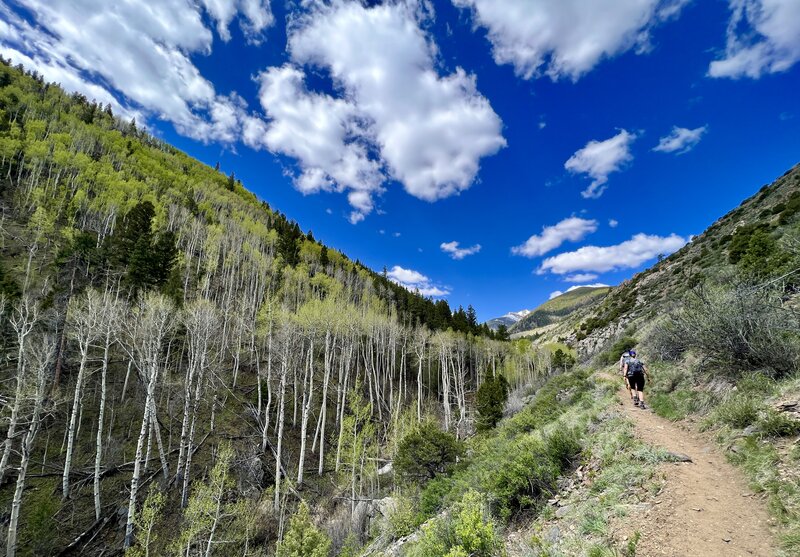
{"x":635,"y":367}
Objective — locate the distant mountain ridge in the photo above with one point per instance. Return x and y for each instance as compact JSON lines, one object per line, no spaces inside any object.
{"x":508,"y":319}
{"x":560,"y":308}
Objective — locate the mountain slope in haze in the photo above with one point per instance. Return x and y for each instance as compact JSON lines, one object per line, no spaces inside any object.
{"x":560,"y":308}
{"x":508,"y":319}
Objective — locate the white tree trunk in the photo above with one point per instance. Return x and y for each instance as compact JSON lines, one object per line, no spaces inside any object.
{"x":281,"y":408}
{"x":73,"y":420}
{"x":307,"y":398}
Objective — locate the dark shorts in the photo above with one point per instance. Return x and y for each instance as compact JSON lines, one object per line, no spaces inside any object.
{"x":636,"y":381}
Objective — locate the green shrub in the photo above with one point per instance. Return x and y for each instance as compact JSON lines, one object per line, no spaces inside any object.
{"x":778,"y":424}
{"x":558,"y":393}
{"x":433,"y":496}
{"x":303,"y":539}
{"x":736,"y":330}
{"x":425,"y":452}
{"x":737,"y":411}
{"x":621,"y":345}
{"x":402,"y":520}
{"x":528,"y":477}
{"x":468,"y":531}
{"x":562,"y":446}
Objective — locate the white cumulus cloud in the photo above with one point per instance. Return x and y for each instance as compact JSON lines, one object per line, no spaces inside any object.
{"x":456,"y":252}
{"x":396,"y":117}
{"x":136,"y":55}
{"x":572,"y":229}
{"x":322,"y":134}
{"x":567,"y":38}
{"x":598,"y":159}
{"x":626,"y":255}
{"x":416,"y":282}
{"x":557,"y":293}
{"x":613,"y":223}
{"x":581,"y":277}
{"x":257,"y":17}
{"x":680,"y":140}
{"x":763,"y":37}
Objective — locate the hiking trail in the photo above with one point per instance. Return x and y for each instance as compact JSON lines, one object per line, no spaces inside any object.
{"x":706,"y":507}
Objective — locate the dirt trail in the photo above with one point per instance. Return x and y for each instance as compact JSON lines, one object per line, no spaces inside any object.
{"x":706,"y":507}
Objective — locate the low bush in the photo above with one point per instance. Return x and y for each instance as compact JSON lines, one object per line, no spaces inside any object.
{"x":738,"y":411}
{"x":425,"y":452}
{"x":623,"y":344}
{"x":777,"y":424}
{"x":560,"y":392}
{"x":734,"y":330}
{"x":518,"y":467}
{"x":467,"y":531}
{"x":303,"y":538}
{"x":402,"y":519}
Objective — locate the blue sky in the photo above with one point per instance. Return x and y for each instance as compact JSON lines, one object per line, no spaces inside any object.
{"x":572,"y":140}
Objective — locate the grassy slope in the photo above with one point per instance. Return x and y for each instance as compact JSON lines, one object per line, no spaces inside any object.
{"x":573,"y":417}
{"x":559,"y":308}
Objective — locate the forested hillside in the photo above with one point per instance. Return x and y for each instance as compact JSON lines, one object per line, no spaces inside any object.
{"x":183,"y":365}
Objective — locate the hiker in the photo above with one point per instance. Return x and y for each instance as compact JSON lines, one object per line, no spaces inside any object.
{"x":636,"y":371}
{"x":622,"y":361}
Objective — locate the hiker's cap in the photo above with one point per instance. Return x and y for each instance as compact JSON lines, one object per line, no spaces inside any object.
{"x":632,"y":352}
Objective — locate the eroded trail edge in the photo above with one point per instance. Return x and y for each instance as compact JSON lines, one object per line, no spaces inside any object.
{"x":706,"y":507}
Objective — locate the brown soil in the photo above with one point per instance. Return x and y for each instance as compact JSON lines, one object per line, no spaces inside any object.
{"x":705,"y":507}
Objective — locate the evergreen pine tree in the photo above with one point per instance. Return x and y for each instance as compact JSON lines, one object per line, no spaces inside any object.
{"x":490,"y":401}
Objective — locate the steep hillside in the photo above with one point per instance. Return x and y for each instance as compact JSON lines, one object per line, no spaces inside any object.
{"x":560,"y":309}
{"x":171,"y":344}
{"x":770,"y":216}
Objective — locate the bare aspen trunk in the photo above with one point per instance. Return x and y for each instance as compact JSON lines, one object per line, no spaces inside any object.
{"x":162,"y":454}
{"x":24,"y":318}
{"x":125,"y":384}
{"x":307,"y":398}
{"x":100,"y":418}
{"x":137,"y":468}
{"x":149,"y":327}
{"x":84,"y":349}
{"x":340,"y":418}
{"x":42,"y":362}
{"x":281,"y":408}
{"x":323,"y":412}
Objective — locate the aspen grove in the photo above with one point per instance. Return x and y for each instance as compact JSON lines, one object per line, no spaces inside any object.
{"x":180,"y":358}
